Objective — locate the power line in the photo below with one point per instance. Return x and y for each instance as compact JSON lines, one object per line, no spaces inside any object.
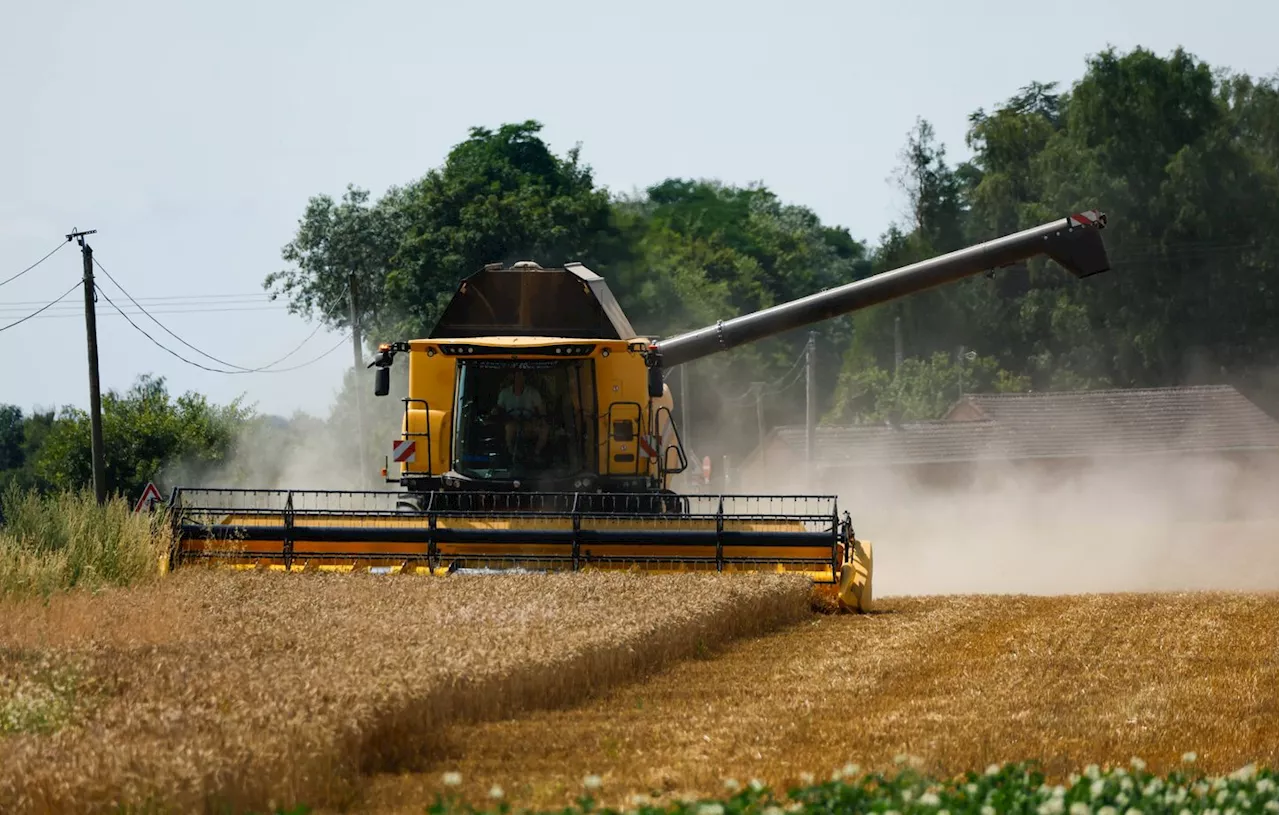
{"x":63,"y":311}
{"x":168,"y":350}
{"x":32,"y":266}
{"x":240,"y":368}
{"x":162,"y":302}
{"x":74,"y":286}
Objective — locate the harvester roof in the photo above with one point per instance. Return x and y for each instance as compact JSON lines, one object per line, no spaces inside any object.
{"x":528,"y":300}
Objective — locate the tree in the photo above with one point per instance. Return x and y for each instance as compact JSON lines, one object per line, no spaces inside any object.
{"x":502,"y":196}
{"x":340,"y":243}
{"x":145,"y":431}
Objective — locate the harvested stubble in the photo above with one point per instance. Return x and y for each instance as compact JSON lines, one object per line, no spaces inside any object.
{"x":959,"y":682}
{"x":252,"y":690}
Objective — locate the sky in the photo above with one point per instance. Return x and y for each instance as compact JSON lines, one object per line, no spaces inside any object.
{"x":191,"y":136}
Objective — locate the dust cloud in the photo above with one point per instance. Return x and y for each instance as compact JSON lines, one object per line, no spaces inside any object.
{"x":305,"y":452}
{"x":1173,"y":523}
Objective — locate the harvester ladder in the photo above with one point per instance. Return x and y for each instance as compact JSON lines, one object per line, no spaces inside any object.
{"x":406,"y":435}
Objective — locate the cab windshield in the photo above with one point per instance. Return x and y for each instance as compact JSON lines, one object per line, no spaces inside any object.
{"x":525,"y":419}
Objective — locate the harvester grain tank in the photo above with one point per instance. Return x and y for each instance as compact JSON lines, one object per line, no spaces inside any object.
{"x":538,"y":433}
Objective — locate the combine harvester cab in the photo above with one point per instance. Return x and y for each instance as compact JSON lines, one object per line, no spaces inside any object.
{"x":538,"y":434}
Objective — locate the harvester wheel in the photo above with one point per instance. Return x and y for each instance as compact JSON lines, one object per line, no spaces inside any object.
{"x":855,"y":579}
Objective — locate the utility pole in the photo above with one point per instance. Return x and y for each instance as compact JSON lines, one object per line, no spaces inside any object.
{"x":758,"y":387}
{"x":95,"y":392}
{"x":897,"y":345}
{"x":684,"y":406}
{"x":359,"y":365}
{"x":810,"y":400}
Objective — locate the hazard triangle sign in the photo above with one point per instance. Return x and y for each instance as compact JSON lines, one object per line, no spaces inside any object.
{"x":150,"y":497}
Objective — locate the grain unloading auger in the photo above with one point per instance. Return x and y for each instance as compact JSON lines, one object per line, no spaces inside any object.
{"x":538,"y":433}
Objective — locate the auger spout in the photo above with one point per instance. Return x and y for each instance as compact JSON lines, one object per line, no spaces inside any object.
{"x":1073,"y":242}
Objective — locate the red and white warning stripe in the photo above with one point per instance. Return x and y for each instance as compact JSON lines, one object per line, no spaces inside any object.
{"x":1087,"y":218}
{"x":404,"y":450}
{"x":648,"y":446}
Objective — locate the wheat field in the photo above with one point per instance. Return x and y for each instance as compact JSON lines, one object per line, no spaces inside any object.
{"x":956,"y":682}
{"x":223,"y":691}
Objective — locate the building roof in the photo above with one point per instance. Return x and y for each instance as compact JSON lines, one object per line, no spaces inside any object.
{"x":1053,"y":425}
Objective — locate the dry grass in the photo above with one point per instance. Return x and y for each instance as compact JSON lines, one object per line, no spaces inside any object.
{"x":250,"y":690}
{"x":960,"y":682}
{"x":52,"y":542}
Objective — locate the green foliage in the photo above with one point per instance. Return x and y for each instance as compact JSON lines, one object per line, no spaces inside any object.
{"x":1183,"y":159}
{"x":920,"y":389}
{"x":66,"y":539}
{"x":337,"y":243}
{"x":1013,"y":787}
{"x":42,"y":700}
{"x":144,"y":431}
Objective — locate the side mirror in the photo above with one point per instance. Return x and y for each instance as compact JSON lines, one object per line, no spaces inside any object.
{"x":655,"y":383}
{"x":382,"y":382}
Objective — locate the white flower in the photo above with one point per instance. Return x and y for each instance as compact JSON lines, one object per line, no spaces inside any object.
{"x":1051,"y":807}
{"x":1271,"y":806}
{"x":806,"y":779}
{"x":993,"y":769}
{"x":1079,"y":808}
{"x":1245,"y":773}
{"x":639,"y":800}
{"x":495,"y":792}
{"x":1189,"y":758}
{"x":732,"y":785}
{"x":944,"y":812}
{"x":1137,"y":764}
{"x":1265,"y":785}
{"x":907,"y":795}
{"x":1126,"y":783}
{"x":771,"y":810}
{"x":1107,"y":811}
{"x":710,"y":809}
{"x":592,"y":782}
{"x":1092,"y":771}
{"x":988,"y":810}
{"x":1096,"y":788}
{"x":756,"y":785}
{"x":451,"y":779}
{"x":929,"y":800}
{"x":1133,"y":811}
{"x":851,"y":769}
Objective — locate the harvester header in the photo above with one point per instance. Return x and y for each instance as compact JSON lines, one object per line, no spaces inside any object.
{"x":538,"y":433}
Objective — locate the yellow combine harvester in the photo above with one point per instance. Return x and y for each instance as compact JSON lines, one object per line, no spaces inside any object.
{"x":538,"y":434}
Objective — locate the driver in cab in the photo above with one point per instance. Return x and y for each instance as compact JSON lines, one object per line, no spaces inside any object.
{"x":522,"y":405}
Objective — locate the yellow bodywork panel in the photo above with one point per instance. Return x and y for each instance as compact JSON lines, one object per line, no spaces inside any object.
{"x":620,"y":393}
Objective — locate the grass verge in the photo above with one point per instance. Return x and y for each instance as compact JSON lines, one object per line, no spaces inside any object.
{"x":1011,"y":788}
{"x":67,"y":540}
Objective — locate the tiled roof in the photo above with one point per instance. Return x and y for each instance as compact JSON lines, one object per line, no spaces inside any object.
{"x":1056,"y":424}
